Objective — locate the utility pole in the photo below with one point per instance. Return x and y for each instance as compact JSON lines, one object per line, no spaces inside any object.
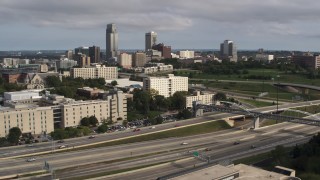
{"x":278,"y":76}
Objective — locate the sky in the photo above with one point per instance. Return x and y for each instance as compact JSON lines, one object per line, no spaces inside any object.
{"x":183,"y":24}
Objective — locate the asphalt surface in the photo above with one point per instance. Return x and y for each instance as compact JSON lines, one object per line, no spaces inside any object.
{"x":8,"y":152}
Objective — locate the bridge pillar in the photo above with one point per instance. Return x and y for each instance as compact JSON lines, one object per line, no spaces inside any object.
{"x":256,"y":123}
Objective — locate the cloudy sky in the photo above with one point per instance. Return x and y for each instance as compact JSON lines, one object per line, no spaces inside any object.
{"x":184,"y":24}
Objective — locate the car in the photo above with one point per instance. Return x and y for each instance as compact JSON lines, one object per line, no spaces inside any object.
{"x":91,"y":137}
{"x":31,"y":159}
{"x":30,"y":145}
{"x":184,"y":143}
{"x":253,"y":146}
{"x":235,"y":143}
{"x":62,"y":146}
{"x":61,"y":141}
{"x":177,"y":125}
{"x":207,"y":149}
{"x":135,"y":130}
{"x":153,"y":127}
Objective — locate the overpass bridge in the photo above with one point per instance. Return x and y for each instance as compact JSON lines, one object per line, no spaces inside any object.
{"x":312,"y":119}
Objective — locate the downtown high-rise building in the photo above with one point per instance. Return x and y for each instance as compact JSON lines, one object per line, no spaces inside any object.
{"x":151,"y":40}
{"x":111,"y":41}
{"x":228,"y":51}
{"x":94,"y":54}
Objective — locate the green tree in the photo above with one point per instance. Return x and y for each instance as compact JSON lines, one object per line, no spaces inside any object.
{"x":125,"y":123}
{"x":278,"y":154}
{"x":85,"y":121}
{"x":220,"y":97}
{"x":178,"y":100}
{"x":84,"y":130}
{"x":53,"y":81}
{"x":93,"y":121}
{"x":102,"y":128}
{"x":159,"y":120}
{"x":59,"y":134}
{"x":114,"y":83}
{"x":14,"y":135}
{"x":185,"y":114}
{"x":4,"y":142}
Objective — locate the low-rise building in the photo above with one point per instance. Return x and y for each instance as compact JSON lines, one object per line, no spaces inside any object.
{"x":202,"y":98}
{"x":125,"y":60}
{"x":166,"y":86}
{"x":264,"y":57}
{"x":95,"y":72}
{"x":307,"y":61}
{"x":186,"y":54}
{"x":89,"y":92}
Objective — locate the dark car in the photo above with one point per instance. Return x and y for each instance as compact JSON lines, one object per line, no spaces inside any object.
{"x":61,"y":141}
{"x":235,"y":143}
{"x":135,"y":130}
{"x":91,"y":137}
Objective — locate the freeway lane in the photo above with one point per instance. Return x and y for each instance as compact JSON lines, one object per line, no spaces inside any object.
{"x":76,"y":142}
{"x":229,"y":152}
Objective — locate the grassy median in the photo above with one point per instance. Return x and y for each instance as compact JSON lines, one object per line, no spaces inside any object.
{"x":180,"y":132}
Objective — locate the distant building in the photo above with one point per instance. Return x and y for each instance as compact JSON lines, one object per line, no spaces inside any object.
{"x":264,"y":57}
{"x":94,"y":72}
{"x":202,"y":98}
{"x":44,"y":68}
{"x":166,"y":86}
{"x":173,"y":55}
{"x":139,"y":59}
{"x":94,"y":54}
{"x":125,"y":60}
{"x":111,"y":41}
{"x":83,"y":60}
{"x":307,"y":61}
{"x":156,"y":67}
{"x":82,"y":50}
{"x":14,"y":62}
{"x":89,"y":92}
{"x":25,"y":96}
{"x":151,"y":40}
{"x":66,"y":64}
{"x":228,"y":51}
{"x":165,"y":50}
{"x":186,"y":54}
{"x":69,"y":54}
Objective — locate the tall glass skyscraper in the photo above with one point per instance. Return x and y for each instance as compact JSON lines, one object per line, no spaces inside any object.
{"x":151,"y":39}
{"x":228,"y":51}
{"x":111,"y":41}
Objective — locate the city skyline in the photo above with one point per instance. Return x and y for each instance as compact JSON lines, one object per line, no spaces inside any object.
{"x":272,"y":24}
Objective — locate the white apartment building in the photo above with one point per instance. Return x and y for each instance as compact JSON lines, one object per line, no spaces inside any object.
{"x":264,"y":57}
{"x":94,"y":72}
{"x":186,"y":54}
{"x":30,"y":119}
{"x":166,"y":86}
{"x":202,"y":98}
{"x":125,"y":60}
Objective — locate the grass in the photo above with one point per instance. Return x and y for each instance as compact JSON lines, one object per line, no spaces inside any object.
{"x":115,"y":171}
{"x":256,"y":103}
{"x":181,"y":132}
{"x":253,"y":159}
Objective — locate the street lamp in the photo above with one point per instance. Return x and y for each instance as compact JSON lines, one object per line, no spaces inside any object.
{"x":278,"y":76}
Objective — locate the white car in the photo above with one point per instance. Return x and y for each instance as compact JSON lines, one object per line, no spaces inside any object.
{"x":62,"y":146}
{"x":31,"y":159}
{"x":153,"y":127}
{"x":184,"y":143}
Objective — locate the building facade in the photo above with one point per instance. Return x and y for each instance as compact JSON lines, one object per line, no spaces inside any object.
{"x":228,"y":51}
{"x":165,"y":50}
{"x":307,"y":61}
{"x":111,"y":41}
{"x":95,"y":72}
{"x":125,"y":60}
{"x":30,"y":119}
{"x":139,"y":59}
{"x":264,"y":57}
{"x":201,"y":97}
{"x":186,"y":54}
{"x":94,"y":54}
{"x":151,"y":40}
{"x":166,"y":86}
{"x":66,"y":63}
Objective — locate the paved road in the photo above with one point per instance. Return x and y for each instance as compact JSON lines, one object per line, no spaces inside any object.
{"x":8,"y":152}
{"x":221,"y":144}
{"x":264,"y":141}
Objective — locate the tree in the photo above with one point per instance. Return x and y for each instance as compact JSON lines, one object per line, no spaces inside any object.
{"x":220,"y":96}
{"x":114,"y":83}
{"x":59,"y":134}
{"x":103,"y":128}
{"x":125,"y":123}
{"x":14,"y":135}
{"x":93,"y":121}
{"x":159,"y":120}
{"x":278,"y":154}
{"x":178,"y":100}
{"x":3,"y":142}
{"x":185,"y":114}
{"x":85,"y":121}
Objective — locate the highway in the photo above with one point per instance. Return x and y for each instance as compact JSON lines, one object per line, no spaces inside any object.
{"x":9,"y":152}
{"x":221,"y":144}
